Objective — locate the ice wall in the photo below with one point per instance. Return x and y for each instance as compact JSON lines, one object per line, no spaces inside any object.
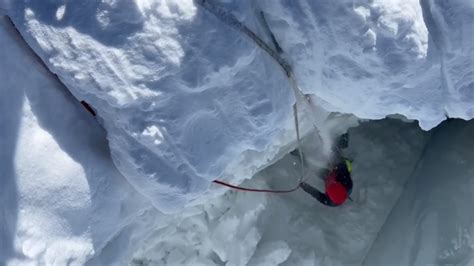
{"x":433,"y":222}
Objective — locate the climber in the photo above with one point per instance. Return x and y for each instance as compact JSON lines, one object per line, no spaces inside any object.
{"x":338,"y":185}
{"x":338,"y":182}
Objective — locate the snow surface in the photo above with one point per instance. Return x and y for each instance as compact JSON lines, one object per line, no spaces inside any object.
{"x":62,"y":198}
{"x":374,"y":58}
{"x":178,"y":108}
{"x":178,"y":114}
{"x":183,"y":97}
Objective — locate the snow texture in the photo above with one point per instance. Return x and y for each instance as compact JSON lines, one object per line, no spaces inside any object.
{"x":177,"y":106}
{"x":62,"y":199}
{"x":183,"y":96}
{"x":263,"y":229}
{"x":185,"y":99}
{"x":374,"y":58}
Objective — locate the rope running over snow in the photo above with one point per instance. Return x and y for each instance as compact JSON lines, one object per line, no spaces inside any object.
{"x":230,"y":20}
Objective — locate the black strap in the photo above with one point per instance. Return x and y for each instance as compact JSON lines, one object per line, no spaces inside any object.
{"x":321,"y":197}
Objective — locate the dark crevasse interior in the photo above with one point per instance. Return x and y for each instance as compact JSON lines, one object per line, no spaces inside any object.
{"x":433,"y":221}
{"x":413,"y":197}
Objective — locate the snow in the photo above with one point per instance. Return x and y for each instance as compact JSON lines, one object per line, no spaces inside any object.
{"x":62,"y":197}
{"x":343,"y":235}
{"x":164,"y":67}
{"x":185,"y":99}
{"x":376,"y":58}
{"x":264,"y":229}
{"x":156,"y":76}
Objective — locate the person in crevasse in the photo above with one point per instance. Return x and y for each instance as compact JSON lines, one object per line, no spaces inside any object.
{"x":338,"y":181}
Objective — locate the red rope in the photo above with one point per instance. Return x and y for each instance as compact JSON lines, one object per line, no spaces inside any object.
{"x":253,"y":189}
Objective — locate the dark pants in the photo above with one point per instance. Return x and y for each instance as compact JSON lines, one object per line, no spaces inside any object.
{"x":321,"y":197}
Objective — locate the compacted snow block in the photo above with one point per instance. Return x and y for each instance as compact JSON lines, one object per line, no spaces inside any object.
{"x":373,"y":58}
{"x":183,"y":96}
{"x":62,"y":198}
{"x":180,"y":94}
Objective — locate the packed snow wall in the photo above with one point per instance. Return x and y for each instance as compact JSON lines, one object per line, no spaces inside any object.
{"x":374,"y":58}
{"x":180,"y":95}
{"x":61,"y":197}
{"x":433,"y":222}
{"x":185,"y":97}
